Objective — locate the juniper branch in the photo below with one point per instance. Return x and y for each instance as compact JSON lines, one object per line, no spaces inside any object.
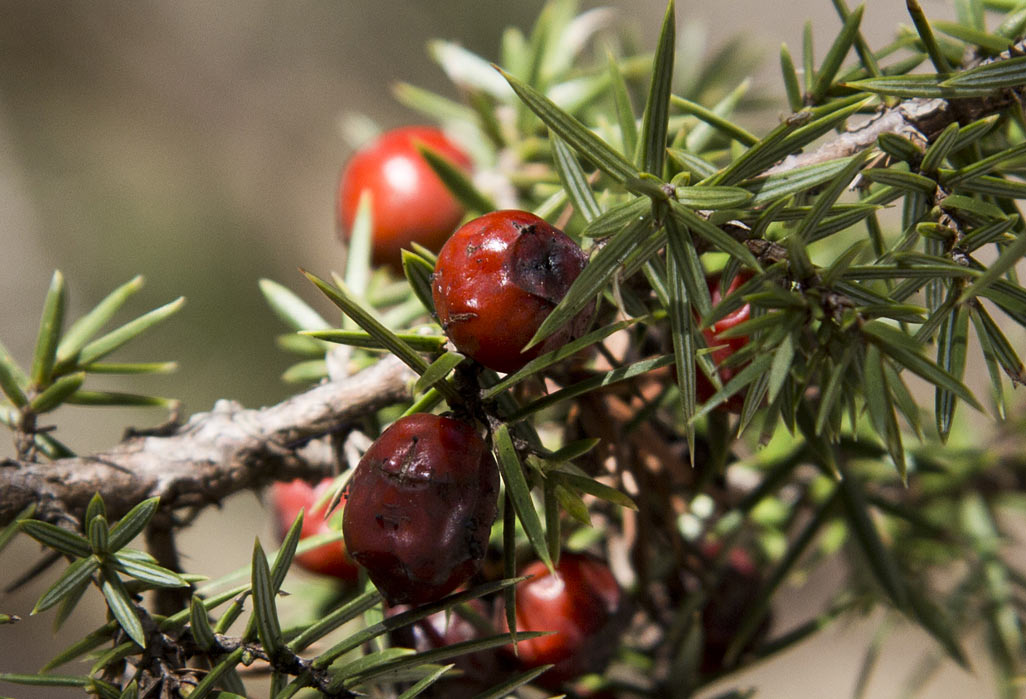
{"x":919,"y":119}
{"x":212,"y":456}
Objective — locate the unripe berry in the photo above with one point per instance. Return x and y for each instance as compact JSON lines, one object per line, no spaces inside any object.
{"x":329,"y":559}
{"x":409,"y":202}
{"x":497,"y":279}
{"x":420,"y":507}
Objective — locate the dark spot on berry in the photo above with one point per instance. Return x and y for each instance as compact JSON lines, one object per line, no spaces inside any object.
{"x":545,"y":266}
{"x":458,"y":318}
{"x":521,"y":270}
{"x":525,"y":228}
{"x":390,"y":522}
{"x":408,"y":458}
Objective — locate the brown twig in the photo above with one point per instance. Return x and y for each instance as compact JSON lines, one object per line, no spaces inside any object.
{"x":212,"y":456}
{"x":920,"y":120}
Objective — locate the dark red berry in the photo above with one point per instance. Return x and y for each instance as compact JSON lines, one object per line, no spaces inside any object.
{"x":581,"y":604}
{"x":329,"y":559}
{"x":409,"y":202}
{"x":420,"y":508}
{"x":497,"y":279}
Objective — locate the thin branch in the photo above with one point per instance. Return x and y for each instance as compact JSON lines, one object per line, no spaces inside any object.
{"x":212,"y":456}
{"x":919,"y":120}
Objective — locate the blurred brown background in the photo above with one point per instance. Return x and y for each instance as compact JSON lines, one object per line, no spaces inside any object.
{"x":199,"y":144}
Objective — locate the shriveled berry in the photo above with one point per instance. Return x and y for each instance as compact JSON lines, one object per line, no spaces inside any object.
{"x":497,"y":279}
{"x":409,"y":202}
{"x":581,"y":604}
{"x":329,"y":559}
{"x":420,"y":507}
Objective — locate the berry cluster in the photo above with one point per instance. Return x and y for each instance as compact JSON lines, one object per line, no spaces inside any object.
{"x":419,"y":507}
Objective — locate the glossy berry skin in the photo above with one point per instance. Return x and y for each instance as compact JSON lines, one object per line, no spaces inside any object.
{"x":409,"y":202}
{"x":329,"y":559}
{"x":704,"y":388}
{"x":581,"y":604}
{"x":420,"y":507}
{"x":497,"y":279}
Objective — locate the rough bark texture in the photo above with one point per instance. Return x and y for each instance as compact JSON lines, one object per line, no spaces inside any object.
{"x":919,"y":120}
{"x":210,"y":457}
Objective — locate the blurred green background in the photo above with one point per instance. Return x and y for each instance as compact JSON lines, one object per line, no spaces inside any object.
{"x":199,"y":144}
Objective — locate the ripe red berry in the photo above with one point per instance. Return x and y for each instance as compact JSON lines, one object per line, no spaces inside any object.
{"x":409,"y":201}
{"x":497,"y":279}
{"x":329,"y":559}
{"x":580,"y":603}
{"x":704,"y":388}
{"x":420,"y":507}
